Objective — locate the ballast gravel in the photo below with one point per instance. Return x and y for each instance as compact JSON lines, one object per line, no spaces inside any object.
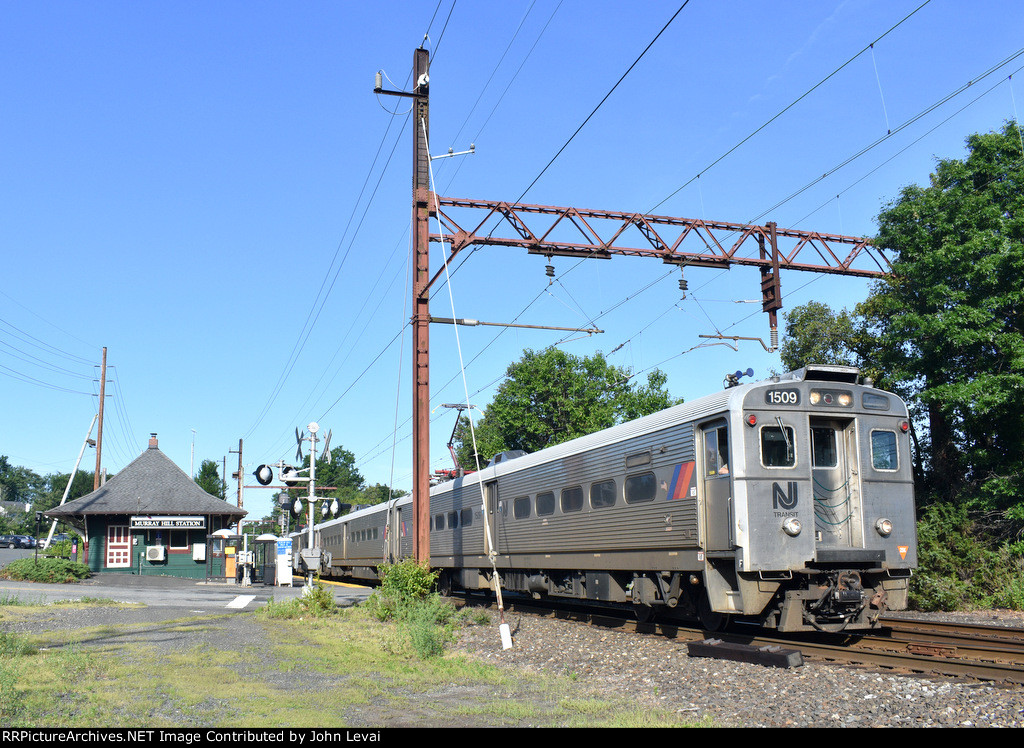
{"x":657,"y":672}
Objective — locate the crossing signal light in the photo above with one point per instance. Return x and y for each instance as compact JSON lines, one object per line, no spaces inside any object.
{"x":289,"y":476}
{"x":264,"y":475}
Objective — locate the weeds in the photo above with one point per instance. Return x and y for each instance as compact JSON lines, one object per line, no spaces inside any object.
{"x":405,"y":596}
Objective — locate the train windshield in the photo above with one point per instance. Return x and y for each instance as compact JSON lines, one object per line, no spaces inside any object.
{"x":777,"y":446}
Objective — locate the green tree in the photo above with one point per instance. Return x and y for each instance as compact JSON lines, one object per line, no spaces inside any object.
{"x":340,"y":474}
{"x":550,"y":397}
{"x":210,"y":481}
{"x":378,"y":493}
{"x":815,"y":334}
{"x":17,"y":483}
{"x":946,"y":328}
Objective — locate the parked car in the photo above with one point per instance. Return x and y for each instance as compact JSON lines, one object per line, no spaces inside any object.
{"x":15,"y":541}
{"x":59,"y":537}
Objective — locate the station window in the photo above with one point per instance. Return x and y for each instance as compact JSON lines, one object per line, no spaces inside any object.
{"x":179,"y":539}
{"x":602,"y":494}
{"x":884,"y":455}
{"x":521,"y":507}
{"x":824,"y":453}
{"x":777,"y":447}
{"x":641,"y":488}
{"x":545,"y":504}
{"x":572,"y":499}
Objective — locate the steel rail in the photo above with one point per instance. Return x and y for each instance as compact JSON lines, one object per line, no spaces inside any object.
{"x":933,"y":648}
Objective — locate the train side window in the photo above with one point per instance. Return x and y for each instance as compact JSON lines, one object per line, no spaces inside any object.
{"x":453,"y":520}
{"x":641,"y":488}
{"x":884,"y":455}
{"x":716,"y":447}
{"x":572,"y":499}
{"x":545,"y":503}
{"x":602,"y":494}
{"x":521,"y":507}
{"x":466,"y":517}
{"x":438,"y":521}
{"x":824,"y":453}
{"x":777,"y":447}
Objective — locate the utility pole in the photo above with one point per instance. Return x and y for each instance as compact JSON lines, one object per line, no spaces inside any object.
{"x":421,"y":307}
{"x":421,"y":199}
{"x":99,"y":432}
{"x":238,"y":474}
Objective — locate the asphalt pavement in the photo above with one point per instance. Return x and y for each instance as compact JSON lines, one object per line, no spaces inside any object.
{"x":197,"y":595}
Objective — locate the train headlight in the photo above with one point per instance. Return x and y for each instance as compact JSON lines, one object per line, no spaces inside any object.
{"x":884,"y":527}
{"x":792,"y":526}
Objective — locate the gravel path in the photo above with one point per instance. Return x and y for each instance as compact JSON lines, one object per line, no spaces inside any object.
{"x":658,"y":672}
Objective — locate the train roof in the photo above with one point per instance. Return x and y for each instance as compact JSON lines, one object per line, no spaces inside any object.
{"x":697,"y":409}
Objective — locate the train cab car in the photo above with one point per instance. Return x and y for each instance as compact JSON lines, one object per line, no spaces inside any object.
{"x":822,"y":533}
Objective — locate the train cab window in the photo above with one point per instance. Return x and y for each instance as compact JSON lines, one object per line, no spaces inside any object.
{"x":602,"y":494}
{"x":824,"y":453}
{"x":572,"y":499}
{"x":777,"y":447}
{"x":521,"y":507}
{"x":884,"y":455}
{"x":545,"y":504}
{"x":641,"y":488}
{"x":453,"y":520}
{"x":716,"y":449}
{"x":466,"y":517}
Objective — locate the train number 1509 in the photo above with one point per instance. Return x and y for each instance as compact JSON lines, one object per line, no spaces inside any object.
{"x":782,"y":397}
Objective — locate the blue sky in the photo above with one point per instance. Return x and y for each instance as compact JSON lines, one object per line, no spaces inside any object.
{"x":213,"y":192}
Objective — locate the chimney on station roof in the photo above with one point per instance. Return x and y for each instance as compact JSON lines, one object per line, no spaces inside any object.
{"x":152,"y":441}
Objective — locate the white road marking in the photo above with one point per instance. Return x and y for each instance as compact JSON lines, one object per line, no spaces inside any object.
{"x":241,"y":601}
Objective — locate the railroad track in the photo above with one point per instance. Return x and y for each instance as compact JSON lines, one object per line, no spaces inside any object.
{"x":925,"y":647}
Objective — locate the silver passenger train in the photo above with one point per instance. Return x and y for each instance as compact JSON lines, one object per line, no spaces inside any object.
{"x":786,"y":502}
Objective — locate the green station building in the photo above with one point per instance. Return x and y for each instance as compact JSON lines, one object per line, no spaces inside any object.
{"x":151,"y":518}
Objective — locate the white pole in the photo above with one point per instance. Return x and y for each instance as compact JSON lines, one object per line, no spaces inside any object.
{"x":67,"y":488}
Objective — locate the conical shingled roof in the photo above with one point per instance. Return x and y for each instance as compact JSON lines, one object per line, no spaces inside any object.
{"x":150,"y":484}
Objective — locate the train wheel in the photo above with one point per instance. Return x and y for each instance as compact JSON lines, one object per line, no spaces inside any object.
{"x":710,"y":620}
{"x":444,"y":583}
{"x":643,"y":613}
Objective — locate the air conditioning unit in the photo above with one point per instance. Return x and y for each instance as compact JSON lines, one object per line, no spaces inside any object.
{"x":154,"y":553}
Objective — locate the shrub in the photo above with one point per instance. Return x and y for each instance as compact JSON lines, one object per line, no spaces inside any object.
{"x":47,"y":570}
{"x":957,"y":569}
{"x":405,"y":596}
{"x":316,"y":602}
{"x":401,"y":585}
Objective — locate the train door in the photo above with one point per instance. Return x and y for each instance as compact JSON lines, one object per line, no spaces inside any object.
{"x":393,"y":535}
{"x":717,"y":487}
{"x":835,"y":483}
{"x":491,"y":507}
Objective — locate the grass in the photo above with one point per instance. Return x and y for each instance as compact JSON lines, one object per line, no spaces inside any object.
{"x":345,"y":668}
